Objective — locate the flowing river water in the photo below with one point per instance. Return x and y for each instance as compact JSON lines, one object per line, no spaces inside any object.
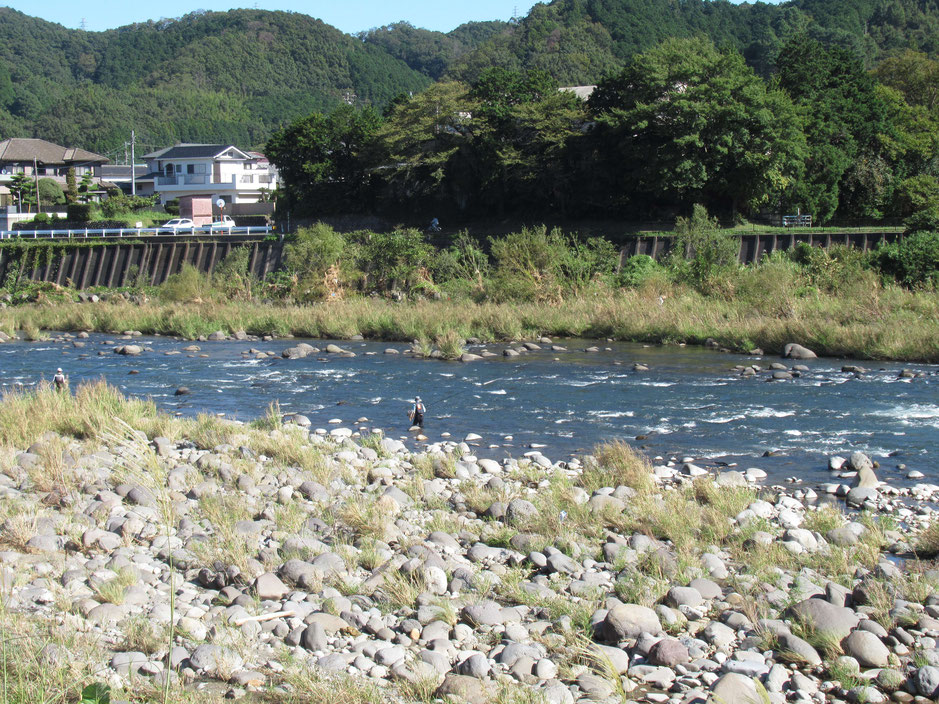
{"x":690,"y":403}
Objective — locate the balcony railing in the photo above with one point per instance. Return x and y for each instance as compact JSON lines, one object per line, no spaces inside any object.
{"x":206,"y":180}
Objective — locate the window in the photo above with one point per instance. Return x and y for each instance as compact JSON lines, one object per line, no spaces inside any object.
{"x":190,"y":168}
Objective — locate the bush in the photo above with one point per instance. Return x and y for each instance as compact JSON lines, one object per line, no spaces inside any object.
{"x":636,"y":271}
{"x":120,"y":203}
{"x":232,"y":277}
{"x":322,"y":261}
{"x":189,"y":285}
{"x":702,"y":251}
{"x":79,"y":212}
{"x":913,"y":261}
{"x":839,"y":269}
{"x":50,"y":192}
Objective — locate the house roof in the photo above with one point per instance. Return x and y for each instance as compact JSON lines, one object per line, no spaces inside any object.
{"x":193,"y":151}
{"x":121,"y":172}
{"x":21,"y":149}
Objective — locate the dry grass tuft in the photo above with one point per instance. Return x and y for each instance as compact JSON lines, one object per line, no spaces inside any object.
{"x":618,"y":464}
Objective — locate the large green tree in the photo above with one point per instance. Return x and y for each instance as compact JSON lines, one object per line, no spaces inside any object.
{"x":845,"y":121}
{"x":685,"y":122}
{"x":321,"y":159}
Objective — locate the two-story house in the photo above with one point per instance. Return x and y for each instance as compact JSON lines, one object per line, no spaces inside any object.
{"x":217,"y":171}
{"x":42,"y":159}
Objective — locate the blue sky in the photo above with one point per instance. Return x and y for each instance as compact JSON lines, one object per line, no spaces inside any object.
{"x":348,"y":15}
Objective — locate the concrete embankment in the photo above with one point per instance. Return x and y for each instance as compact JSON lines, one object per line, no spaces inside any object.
{"x":85,"y":265}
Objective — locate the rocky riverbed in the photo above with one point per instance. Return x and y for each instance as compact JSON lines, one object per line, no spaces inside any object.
{"x":232,"y":559}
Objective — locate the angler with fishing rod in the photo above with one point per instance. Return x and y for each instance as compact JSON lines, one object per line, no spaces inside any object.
{"x":419,"y":408}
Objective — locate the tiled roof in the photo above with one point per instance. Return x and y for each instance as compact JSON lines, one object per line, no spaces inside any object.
{"x":191,"y":151}
{"x":21,"y":150}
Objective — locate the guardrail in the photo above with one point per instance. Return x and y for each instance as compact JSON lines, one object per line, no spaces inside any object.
{"x":129,"y":232}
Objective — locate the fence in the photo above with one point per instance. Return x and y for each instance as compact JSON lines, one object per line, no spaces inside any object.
{"x":130,"y":232}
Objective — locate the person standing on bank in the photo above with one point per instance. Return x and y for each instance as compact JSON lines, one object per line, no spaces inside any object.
{"x":59,"y":380}
{"x":417,"y":412}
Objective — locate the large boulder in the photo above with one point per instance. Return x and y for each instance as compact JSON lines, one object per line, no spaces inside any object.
{"x":794,"y":351}
{"x":824,"y":617}
{"x":630,"y":621}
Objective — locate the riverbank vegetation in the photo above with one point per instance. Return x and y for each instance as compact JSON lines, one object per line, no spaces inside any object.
{"x":397,"y":286}
{"x":679,"y":123}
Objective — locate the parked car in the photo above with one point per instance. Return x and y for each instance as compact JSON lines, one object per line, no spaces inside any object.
{"x":176,"y":225}
{"x":223,"y":223}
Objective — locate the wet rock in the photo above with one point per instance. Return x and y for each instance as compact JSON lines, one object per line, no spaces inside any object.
{"x":795,"y":351}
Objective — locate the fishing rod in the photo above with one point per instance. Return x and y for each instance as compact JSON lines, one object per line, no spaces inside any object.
{"x":463,"y":391}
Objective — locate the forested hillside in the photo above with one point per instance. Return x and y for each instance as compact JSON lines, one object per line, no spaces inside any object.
{"x":238,"y":76}
{"x":215,"y":77}
{"x":581,"y":41}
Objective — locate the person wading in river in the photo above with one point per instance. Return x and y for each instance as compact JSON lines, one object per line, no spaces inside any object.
{"x":59,"y":380}
{"x":417,"y":412}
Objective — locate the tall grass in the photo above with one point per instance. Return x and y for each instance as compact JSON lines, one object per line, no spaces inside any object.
{"x":887,"y":323}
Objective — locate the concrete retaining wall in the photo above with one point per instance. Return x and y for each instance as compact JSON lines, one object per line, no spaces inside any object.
{"x":154,"y":260}
{"x":114,"y":264}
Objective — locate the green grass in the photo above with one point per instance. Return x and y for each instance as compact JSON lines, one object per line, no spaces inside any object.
{"x":757,"y":309}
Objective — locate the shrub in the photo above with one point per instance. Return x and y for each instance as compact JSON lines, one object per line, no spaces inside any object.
{"x":320,"y":259}
{"x":120,"y":203}
{"x":189,"y":284}
{"x":79,"y":212}
{"x":913,"y":261}
{"x":636,"y":270}
{"x":702,"y":251}
{"x":232,"y":277}
{"x":50,"y":192}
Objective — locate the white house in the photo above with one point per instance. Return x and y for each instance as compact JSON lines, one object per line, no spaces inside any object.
{"x":214,"y":170}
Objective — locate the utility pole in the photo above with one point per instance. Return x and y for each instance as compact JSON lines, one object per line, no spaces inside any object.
{"x":36,"y":175}
{"x":133,"y":169}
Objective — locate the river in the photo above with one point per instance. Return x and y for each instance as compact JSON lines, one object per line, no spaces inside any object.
{"x":690,"y":403}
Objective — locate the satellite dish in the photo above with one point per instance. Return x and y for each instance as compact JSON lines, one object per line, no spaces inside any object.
{"x":220,"y":203}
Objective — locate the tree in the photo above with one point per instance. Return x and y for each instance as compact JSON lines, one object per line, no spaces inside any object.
{"x":687,"y":123}
{"x":423,"y":149}
{"x":71,"y":188}
{"x":322,"y":158}
{"x":845,"y":119}
{"x":84,"y":188}
{"x":23,"y":189}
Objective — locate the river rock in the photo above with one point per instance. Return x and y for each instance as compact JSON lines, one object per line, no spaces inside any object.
{"x":668,"y":652}
{"x":129,"y":350}
{"x":630,"y":621}
{"x":795,"y":351}
{"x":218,"y":336}
{"x":926,"y":681}
{"x":519,"y":511}
{"x":469,"y":689}
{"x":734,"y":688}
{"x":866,"y":648}
{"x":824,"y":617}
{"x":269,"y":586}
{"x":299,"y":351}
